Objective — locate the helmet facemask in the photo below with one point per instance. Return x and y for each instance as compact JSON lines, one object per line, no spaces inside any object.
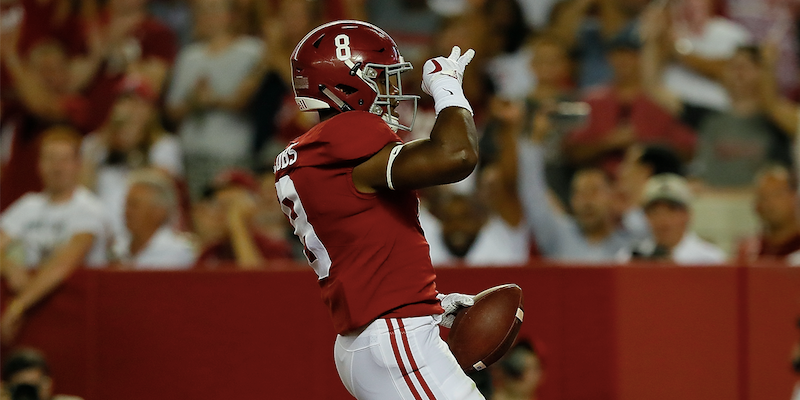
{"x":385,"y":81}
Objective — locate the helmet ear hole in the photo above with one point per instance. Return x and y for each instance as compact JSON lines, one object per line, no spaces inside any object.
{"x":346,"y":89}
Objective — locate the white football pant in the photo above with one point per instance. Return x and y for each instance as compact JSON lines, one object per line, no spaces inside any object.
{"x":401,"y":358}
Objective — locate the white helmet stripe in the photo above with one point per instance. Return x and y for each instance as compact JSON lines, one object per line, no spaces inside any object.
{"x":310,"y":103}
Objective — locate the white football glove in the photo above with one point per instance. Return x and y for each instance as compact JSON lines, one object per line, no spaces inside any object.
{"x":452,"y":303}
{"x":441,"y":78}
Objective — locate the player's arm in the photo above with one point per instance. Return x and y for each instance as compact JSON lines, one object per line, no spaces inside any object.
{"x":451,"y":152}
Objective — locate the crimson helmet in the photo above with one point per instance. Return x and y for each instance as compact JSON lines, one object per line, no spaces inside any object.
{"x":343,"y":64}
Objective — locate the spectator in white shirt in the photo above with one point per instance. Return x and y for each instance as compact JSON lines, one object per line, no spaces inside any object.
{"x":666,"y":202}
{"x":639,"y":164}
{"x":485,"y":228}
{"x":150,"y":210}
{"x":701,"y":43}
{"x":470,"y":234}
{"x":592,"y":233}
{"x":59,"y":229}
{"x":131,"y":138}
{"x":212,"y":84}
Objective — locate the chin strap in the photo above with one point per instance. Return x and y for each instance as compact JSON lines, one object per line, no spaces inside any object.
{"x":392,"y":121}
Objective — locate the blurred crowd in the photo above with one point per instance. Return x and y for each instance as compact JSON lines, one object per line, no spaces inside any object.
{"x":141,"y":135}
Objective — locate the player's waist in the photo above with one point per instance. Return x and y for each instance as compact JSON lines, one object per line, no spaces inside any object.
{"x":390,"y":324}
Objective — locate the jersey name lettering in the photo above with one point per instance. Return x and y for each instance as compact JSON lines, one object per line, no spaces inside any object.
{"x":286,"y":158}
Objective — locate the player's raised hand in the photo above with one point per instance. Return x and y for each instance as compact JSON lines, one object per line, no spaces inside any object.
{"x":442,"y":77}
{"x":441,"y":67}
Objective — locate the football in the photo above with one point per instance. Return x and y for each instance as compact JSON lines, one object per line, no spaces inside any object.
{"x":483,"y":333}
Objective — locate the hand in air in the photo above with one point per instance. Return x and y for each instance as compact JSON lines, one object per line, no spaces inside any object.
{"x":441,"y":67}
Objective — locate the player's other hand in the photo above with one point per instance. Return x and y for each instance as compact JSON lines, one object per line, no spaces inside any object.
{"x":451,"y":67}
{"x":452,"y":303}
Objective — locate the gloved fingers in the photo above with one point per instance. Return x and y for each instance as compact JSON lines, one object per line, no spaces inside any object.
{"x":447,"y":321}
{"x":465,"y":59}
{"x":454,"y":301}
{"x":466,"y":301}
{"x":428,"y":66}
{"x":455,"y":53}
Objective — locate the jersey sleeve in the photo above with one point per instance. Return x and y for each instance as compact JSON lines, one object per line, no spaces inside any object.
{"x":352,"y":135}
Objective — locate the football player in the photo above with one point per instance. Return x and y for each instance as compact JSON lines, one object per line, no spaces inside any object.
{"x":348,"y":188}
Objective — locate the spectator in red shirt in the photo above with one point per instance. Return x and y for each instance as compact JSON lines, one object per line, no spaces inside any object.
{"x":622,"y":114}
{"x":128,"y":41}
{"x":734,"y":144}
{"x":231,"y":211}
{"x":776,"y":206}
{"x":45,"y":96}
{"x":38,"y":21}
{"x":44,"y":19}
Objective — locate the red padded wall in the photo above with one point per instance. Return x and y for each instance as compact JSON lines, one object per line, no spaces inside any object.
{"x":772,"y":308}
{"x":677,"y":333}
{"x":606,"y":333}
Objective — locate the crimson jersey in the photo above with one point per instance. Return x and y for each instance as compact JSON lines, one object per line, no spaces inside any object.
{"x":367,"y":249}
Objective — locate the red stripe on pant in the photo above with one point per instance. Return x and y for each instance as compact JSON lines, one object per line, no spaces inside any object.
{"x":399,"y":359}
{"x":425,"y":386}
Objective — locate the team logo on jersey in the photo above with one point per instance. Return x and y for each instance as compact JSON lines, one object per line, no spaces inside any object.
{"x":286,"y":158}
